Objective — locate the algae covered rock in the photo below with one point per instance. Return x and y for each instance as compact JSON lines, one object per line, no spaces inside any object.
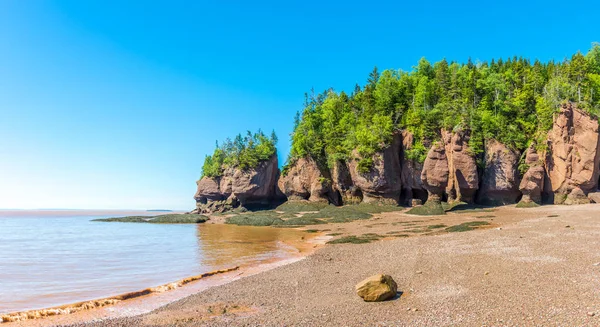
{"x":377,"y":288}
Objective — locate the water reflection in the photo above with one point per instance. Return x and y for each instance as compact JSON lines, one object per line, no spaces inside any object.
{"x":230,"y":245}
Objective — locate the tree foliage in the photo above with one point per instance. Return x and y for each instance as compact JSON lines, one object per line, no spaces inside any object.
{"x":512,"y":101}
{"x":243,"y":152}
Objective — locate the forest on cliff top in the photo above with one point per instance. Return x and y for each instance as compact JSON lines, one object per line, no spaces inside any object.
{"x":511,"y":101}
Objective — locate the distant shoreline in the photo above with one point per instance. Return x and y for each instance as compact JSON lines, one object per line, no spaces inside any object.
{"x":79,"y":212}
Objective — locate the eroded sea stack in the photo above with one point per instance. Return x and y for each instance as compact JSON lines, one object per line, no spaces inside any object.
{"x":565,"y":172}
{"x":239,"y":187}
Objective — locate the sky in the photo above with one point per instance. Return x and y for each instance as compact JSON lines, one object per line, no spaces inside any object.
{"x":114,"y":104}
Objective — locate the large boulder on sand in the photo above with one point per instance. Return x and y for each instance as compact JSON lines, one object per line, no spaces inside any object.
{"x":574,"y":154}
{"x":248,"y":187}
{"x":435,"y":172}
{"x":304,"y":180}
{"x":377,"y":288}
{"x":500,"y":180}
{"x":382,"y":183}
{"x":532,"y":183}
{"x":463,"y":179}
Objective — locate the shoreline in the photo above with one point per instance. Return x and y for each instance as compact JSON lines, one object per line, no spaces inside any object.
{"x":451,"y":279}
{"x":148,"y":299}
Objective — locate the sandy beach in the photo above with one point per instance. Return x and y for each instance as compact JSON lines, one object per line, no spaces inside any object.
{"x":532,"y":267}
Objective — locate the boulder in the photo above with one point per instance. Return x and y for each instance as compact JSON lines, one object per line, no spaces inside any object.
{"x":500,"y":179}
{"x":377,"y":288}
{"x":382,"y":183}
{"x":573,"y":154}
{"x":435,"y":172}
{"x":306,"y":181}
{"x":577,"y":196}
{"x":249,"y":187}
{"x":594,"y":197}
{"x":463,"y":179}
{"x":532,"y":183}
{"x":412,"y":186}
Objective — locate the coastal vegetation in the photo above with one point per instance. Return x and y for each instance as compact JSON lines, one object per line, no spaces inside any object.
{"x":510,"y":100}
{"x":242,"y":152}
{"x":468,"y":226}
{"x":308,"y":213}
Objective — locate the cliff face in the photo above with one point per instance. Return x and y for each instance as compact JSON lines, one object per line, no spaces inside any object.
{"x":463,"y":180}
{"x":573,"y":156}
{"x":435,"y":172}
{"x":500,"y":179}
{"x":567,"y":172}
{"x":382,"y":183}
{"x":410,"y":170}
{"x":305,"y":181}
{"x":236,"y":187}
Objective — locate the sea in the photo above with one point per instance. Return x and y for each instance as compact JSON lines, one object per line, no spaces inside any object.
{"x":50,"y":258}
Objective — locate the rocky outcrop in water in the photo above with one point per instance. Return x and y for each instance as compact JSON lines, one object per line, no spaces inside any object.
{"x":573,"y":155}
{"x":237,"y":187}
{"x":500,"y":179}
{"x":382,"y":183}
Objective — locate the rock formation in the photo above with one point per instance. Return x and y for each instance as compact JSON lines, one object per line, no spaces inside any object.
{"x":463,"y":180}
{"x":306,"y":181}
{"x":573,"y":155}
{"x":377,"y":288}
{"x":435,"y":172}
{"x":532,"y":183}
{"x":412,"y":186}
{"x":567,"y":172}
{"x":235,"y":187}
{"x":383,"y":181}
{"x":342,"y":184}
{"x":500,"y":179}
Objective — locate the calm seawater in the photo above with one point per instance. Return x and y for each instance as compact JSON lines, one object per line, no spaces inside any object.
{"x":48,"y":260}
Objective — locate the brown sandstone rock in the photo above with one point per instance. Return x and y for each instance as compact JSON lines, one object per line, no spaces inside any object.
{"x":435,"y":172}
{"x":377,"y":288}
{"x":577,"y":196}
{"x":463,"y":179}
{"x":500,"y":180}
{"x":343,"y":185}
{"x":383,"y":182}
{"x":305,"y":181}
{"x":532,"y":183}
{"x":594,"y":197}
{"x":574,"y":154}
{"x":255,"y":186}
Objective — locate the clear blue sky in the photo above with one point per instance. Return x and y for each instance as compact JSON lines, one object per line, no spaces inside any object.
{"x":114,"y":104}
